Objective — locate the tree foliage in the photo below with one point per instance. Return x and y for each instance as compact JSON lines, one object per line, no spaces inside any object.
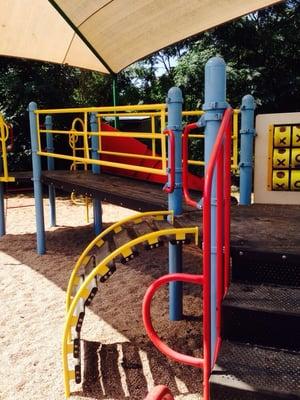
{"x":262,"y":54}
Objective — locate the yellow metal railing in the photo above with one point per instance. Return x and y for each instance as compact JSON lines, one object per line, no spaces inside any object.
{"x":77,"y":146}
{"x":82,"y":113}
{"x":4,"y":135}
{"x":156,"y":114}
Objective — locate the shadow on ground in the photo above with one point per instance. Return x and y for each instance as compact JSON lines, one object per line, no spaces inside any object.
{"x":119,"y":304}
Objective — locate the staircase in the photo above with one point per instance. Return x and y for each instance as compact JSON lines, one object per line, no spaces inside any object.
{"x":119,"y":243}
{"x":260,"y":352}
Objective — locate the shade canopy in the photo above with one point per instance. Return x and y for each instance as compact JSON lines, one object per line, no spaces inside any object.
{"x":108,"y":35}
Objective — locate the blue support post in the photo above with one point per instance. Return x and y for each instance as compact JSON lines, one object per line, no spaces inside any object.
{"x":51,"y":167}
{"x":2,"y":210}
{"x":97,"y":209}
{"x":214,"y":106}
{"x":37,"y":184}
{"x":246,"y":159}
{"x":174,"y":102}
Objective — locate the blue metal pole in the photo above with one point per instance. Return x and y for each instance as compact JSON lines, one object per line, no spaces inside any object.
{"x":2,"y":210}
{"x":51,"y":167}
{"x":214,"y":106}
{"x":37,"y":184}
{"x":246,"y":159}
{"x":97,"y":209}
{"x":174,"y":102}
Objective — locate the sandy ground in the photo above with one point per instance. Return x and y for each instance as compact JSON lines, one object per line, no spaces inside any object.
{"x":32,"y":295}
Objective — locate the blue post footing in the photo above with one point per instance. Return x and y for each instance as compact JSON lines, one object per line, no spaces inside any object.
{"x":246,"y":155}
{"x":175,"y":288}
{"x":174,"y":102}
{"x":52,"y":205}
{"x":51,"y":167}
{"x":2,"y":210}
{"x":214,"y":106}
{"x":97,"y":216}
{"x":37,"y":184}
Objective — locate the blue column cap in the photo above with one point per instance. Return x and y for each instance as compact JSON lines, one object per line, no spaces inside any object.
{"x":174,"y":95}
{"x":32,"y":106}
{"x":216,"y":61}
{"x":248,"y":102}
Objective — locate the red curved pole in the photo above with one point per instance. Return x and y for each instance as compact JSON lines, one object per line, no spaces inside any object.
{"x":160,"y":392}
{"x":185,"y":172}
{"x":170,"y":189}
{"x":227,"y":201}
{"x":224,"y":132}
{"x":174,"y":355}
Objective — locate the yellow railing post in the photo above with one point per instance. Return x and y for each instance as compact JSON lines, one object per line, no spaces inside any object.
{"x":4,"y":134}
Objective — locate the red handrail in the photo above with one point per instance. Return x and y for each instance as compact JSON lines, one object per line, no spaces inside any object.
{"x":185,"y":157}
{"x":221,"y":160}
{"x":171,"y":155}
{"x":160,"y":392}
{"x":174,"y":355}
{"x":223,"y":139}
{"x":227,"y":205}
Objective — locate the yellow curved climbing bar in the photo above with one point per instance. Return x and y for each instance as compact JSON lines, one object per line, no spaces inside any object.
{"x":102,"y":269}
{"x":98,"y":241}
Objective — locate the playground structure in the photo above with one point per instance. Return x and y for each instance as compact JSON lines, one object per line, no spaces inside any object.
{"x":237,"y":324}
{"x":251,"y":329}
{"x":127,"y":239}
{"x":119,"y":153}
{"x":229,"y":312}
{"x":123,"y":241}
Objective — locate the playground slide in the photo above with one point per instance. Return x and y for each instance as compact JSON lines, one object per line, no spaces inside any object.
{"x":134,"y":146}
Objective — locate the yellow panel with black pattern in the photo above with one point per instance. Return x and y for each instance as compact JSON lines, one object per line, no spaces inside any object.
{"x":284,"y":158}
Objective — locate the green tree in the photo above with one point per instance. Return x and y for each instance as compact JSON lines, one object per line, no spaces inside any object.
{"x":51,"y":86}
{"x":262,"y":54}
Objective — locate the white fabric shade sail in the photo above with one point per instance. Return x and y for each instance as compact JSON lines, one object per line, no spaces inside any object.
{"x":108,"y":35}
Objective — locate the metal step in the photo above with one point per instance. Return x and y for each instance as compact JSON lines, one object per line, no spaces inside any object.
{"x":101,"y":252}
{"x":267,"y":268}
{"x":122,"y":238}
{"x":246,"y":372}
{"x":262,"y":315}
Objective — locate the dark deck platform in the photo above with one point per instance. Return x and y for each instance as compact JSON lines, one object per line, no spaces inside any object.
{"x":125,"y":192}
{"x":270,"y":229}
